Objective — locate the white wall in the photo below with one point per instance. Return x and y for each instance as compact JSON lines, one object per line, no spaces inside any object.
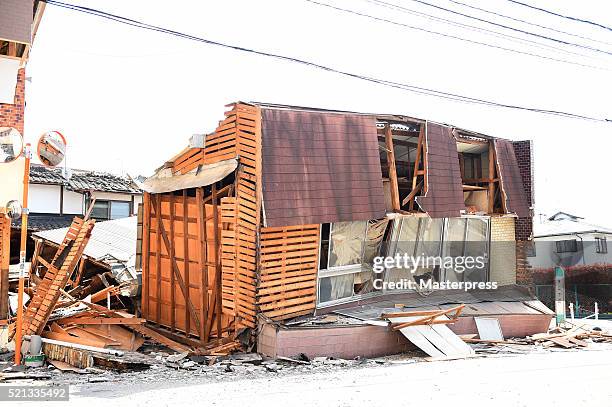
{"x":44,"y":198}
{"x":11,"y":181}
{"x":546,"y":248}
{"x":112,"y":196}
{"x":137,"y":201}
{"x":73,"y":203}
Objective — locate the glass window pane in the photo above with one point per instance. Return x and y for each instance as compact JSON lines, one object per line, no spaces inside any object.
{"x":120,"y":210}
{"x":100,"y":210}
{"x":477,"y":246}
{"x":374,"y":237}
{"x":335,"y":288}
{"x":346,"y":243}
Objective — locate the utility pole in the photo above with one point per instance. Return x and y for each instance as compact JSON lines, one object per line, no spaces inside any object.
{"x":22,"y":253}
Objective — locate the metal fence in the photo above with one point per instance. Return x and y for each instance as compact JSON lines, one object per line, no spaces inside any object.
{"x":583,"y":296}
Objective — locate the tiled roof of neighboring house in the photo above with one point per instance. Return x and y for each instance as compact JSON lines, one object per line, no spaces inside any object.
{"x":81,"y":180}
{"x":41,"y":221}
{"x":566,"y":227}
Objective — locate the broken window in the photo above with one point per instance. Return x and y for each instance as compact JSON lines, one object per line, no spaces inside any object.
{"x":467,"y":238}
{"x":347,"y":253}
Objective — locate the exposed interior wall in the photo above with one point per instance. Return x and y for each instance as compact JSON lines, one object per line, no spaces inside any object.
{"x":178,"y":245}
{"x":502,"y":264}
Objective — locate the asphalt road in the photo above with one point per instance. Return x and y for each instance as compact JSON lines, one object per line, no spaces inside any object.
{"x":578,"y":378}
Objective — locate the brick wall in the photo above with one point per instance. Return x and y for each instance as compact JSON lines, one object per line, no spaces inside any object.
{"x":11,"y":115}
{"x":524,"y":226}
{"x":524,"y":156}
{"x":502,"y":262}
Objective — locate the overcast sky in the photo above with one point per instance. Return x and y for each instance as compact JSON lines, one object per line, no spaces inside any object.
{"x":128,"y":99}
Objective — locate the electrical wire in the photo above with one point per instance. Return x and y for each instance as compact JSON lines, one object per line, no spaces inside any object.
{"x":476,"y":28}
{"x":510,"y":28}
{"x":385,"y":20}
{"x":527,"y":22}
{"x":580,"y":20}
{"x":407,"y":87}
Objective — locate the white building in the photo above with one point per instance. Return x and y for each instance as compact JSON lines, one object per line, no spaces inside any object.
{"x":570,"y":239}
{"x":56,"y":195}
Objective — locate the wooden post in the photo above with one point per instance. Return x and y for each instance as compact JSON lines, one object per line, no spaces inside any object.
{"x":417,"y":162}
{"x":395,"y":198}
{"x":203,"y":265}
{"x":186,"y":259}
{"x":158,"y":258}
{"x":172,"y":255}
{"x":218,"y":284}
{"x":491,"y":184}
{"x":146,"y":236}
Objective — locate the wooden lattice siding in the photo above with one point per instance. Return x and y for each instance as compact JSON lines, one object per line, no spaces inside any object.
{"x":288,"y":273}
{"x":5,"y":246}
{"x":48,"y":291}
{"x":183,"y":301}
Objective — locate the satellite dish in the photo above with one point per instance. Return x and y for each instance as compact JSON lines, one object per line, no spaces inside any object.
{"x":11,"y":144}
{"x":51,"y":148}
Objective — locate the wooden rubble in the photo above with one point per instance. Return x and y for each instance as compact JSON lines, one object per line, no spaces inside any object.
{"x":77,"y":332}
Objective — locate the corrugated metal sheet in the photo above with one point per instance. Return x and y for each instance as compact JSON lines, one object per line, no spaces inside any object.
{"x":444,"y":197}
{"x":110,"y":240}
{"x":320,"y":167}
{"x":511,"y":181}
{"x":16,"y":20}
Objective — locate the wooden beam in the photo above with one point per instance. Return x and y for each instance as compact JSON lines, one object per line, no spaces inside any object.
{"x":412,"y":193}
{"x":158,"y":258}
{"x":395,"y":198}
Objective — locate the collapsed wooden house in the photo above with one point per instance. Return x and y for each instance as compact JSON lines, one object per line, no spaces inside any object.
{"x":280,"y":212}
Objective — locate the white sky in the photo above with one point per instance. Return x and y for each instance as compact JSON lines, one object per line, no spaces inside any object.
{"x":128,"y":99}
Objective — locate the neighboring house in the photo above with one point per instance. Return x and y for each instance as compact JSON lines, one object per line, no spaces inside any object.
{"x":56,"y":195}
{"x":567,"y":240}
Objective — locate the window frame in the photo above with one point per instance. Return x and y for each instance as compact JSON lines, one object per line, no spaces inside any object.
{"x":601,"y":244}
{"x":561,"y":246}
{"x":109,"y":210}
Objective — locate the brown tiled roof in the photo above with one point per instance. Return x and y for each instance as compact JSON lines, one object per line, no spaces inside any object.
{"x":444,"y":197}
{"x":511,"y":181}
{"x":16,"y":20}
{"x":320,"y":167}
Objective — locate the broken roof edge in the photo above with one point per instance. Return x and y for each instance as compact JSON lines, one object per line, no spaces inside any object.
{"x":201,"y":176}
{"x":383,"y":116}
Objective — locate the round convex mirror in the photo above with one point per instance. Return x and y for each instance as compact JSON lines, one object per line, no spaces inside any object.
{"x":13,"y":209}
{"x":51,"y":148}
{"x":11,"y":144}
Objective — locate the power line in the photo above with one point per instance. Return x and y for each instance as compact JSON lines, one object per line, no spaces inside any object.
{"x":510,"y":28}
{"x":474,"y":28}
{"x":384,"y":20}
{"x":528,"y":23}
{"x":580,"y":20}
{"x":404,"y":86}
